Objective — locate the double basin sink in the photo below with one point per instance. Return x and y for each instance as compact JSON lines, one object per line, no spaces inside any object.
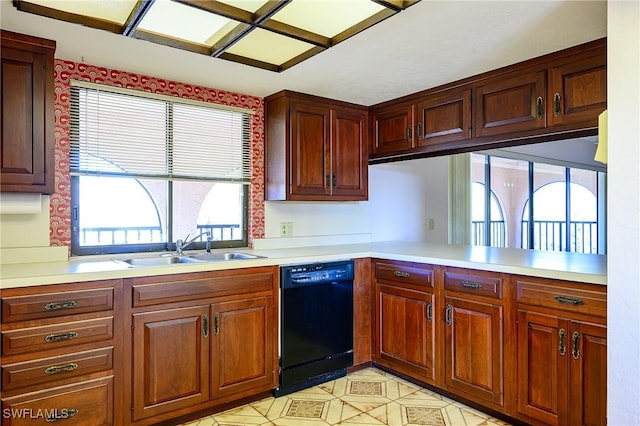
{"x":192,"y":258}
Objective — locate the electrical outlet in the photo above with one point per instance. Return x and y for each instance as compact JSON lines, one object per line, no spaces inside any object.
{"x":432,"y":224}
{"x":286,"y":229}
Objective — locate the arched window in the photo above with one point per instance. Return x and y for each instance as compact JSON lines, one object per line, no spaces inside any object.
{"x":116,"y":210}
{"x":496,"y":226}
{"x":552,"y":217}
{"x":221,"y":212}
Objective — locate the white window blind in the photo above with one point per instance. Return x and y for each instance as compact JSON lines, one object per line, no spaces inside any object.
{"x":129,"y":135}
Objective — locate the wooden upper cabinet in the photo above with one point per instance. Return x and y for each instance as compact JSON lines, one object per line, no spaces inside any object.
{"x":316,"y":149}
{"x":310,"y":150}
{"x":392,"y":129}
{"x":510,"y":104}
{"x":349,"y":169}
{"x":27,"y":108}
{"x":578,"y":89}
{"x":444,"y":118}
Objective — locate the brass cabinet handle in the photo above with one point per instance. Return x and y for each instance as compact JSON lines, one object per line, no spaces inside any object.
{"x":216,"y":324}
{"x":328,"y":181}
{"x":556,"y":104}
{"x":401,"y":274}
{"x":429,"y":311}
{"x":576,"y":345}
{"x":63,"y":414}
{"x":205,"y":326}
{"x":562,"y":336}
{"x":569,"y":300}
{"x":419,"y":131}
{"x":57,"y":337}
{"x":539,"y":103}
{"x":334,"y":180}
{"x":55,"y":369}
{"x":409,"y":133}
{"x":448,"y":315}
{"x":469,"y":284}
{"x":54,"y":306}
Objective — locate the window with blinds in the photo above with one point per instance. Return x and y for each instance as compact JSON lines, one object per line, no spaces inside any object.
{"x":148,"y":170}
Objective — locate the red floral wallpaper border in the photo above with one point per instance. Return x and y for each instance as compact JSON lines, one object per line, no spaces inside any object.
{"x":65,"y":71}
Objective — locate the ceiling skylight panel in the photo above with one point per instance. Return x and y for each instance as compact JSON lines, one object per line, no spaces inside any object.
{"x":186,"y":23}
{"x":327,"y":17}
{"x":269,"y":47}
{"x":108,"y":10}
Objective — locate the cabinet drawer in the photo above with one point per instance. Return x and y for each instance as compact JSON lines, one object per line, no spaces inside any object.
{"x":405,"y":273}
{"x":87,"y":404}
{"x":179,"y":288}
{"x":473,"y":283}
{"x":56,"y":336}
{"x":47,"y":370}
{"x":562,"y":297}
{"x":20,"y":308}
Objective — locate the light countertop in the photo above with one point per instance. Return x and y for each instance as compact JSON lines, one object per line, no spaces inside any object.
{"x":586,"y":268}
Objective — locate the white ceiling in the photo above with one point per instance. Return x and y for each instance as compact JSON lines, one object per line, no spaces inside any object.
{"x":431,"y":43}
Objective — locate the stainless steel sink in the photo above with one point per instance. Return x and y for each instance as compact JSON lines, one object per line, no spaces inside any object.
{"x":217,"y":257}
{"x":158,"y":261}
{"x":193,"y":258}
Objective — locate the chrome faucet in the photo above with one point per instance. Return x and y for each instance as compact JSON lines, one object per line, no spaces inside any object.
{"x":183,"y":244}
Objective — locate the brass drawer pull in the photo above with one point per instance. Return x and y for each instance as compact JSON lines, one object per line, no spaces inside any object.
{"x":469,"y":284}
{"x":429,"y":311}
{"x":55,"y":369}
{"x":57,"y":337}
{"x":448,"y":314}
{"x":576,"y":345}
{"x":562,"y":335}
{"x":205,"y":326}
{"x":55,"y":306}
{"x":569,"y":300}
{"x":63,"y":414}
{"x":556,"y":104}
{"x":401,"y":274}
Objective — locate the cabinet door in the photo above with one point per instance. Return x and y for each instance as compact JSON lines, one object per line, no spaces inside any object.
{"x":588,"y":374}
{"x":170,"y":360}
{"x":310,"y":138}
{"x":510,"y":104}
{"x":543,"y":348}
{"x":406,"y":331}
{"x":444,"y":118}
{"x":243,"y":346}
{"x":473,"y":349}
{"x":393,"y":129}
{"x":349,"y":154}
{"x":578,"y":91}
{"x":26,"y":160}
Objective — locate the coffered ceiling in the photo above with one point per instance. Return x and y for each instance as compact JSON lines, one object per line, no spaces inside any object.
{"x":270,"y":34}
{"x":430,"y":43}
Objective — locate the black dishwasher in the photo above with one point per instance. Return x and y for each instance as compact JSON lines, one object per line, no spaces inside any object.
{"x":316,"y":324}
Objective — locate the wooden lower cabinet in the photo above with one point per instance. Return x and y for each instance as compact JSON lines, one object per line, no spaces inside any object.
{"x":473,"y":349}
{"x":562,"y":369}
{"x":82,"y":404}
{"x":201,"y":340}
{"x":170,"y":360}
{"x":243,"y":336}
{"x":406,"y":331}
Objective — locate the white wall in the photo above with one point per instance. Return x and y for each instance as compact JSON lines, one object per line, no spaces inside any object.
{"x":25,"y":230}
{"x":623,"y":288}
{"x":404,"y":196}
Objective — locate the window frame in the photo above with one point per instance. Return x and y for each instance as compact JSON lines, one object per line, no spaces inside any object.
{"x":169,"y":244}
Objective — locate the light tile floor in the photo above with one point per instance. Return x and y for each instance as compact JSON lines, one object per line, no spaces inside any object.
{"x":365,"y":398}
